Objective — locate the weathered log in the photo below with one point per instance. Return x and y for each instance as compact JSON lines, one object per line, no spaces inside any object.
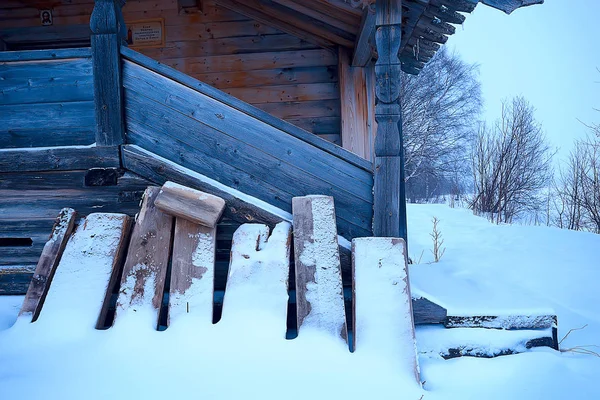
{"x":193,"y":205}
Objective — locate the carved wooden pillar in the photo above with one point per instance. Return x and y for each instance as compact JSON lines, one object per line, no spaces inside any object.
{"x":390,"y":204}
{"x":107,"y":28}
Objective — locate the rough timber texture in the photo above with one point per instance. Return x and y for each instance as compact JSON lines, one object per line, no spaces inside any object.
{"x":319,"y":290}
{"x":145,"y":267}
{"x":192,"y":272}
{"x":46,"y":266}
{"x":382,"y":313}
{"x":83,"y":277}
{"x":191,"y":204}
{"x":257,"y":285}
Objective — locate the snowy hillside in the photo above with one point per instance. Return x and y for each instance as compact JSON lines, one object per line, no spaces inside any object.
{"x":485,"y":270}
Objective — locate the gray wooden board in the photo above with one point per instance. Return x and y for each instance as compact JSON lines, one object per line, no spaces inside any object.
{"x":317,"y":264}
{"x":45,"y":72}
{"x":53,"y":54}
{"x":386,"y":220}
{"x":193,"y":272}
{"x":354,"y":213}
{"x":46,"y":266}
{"x":15,"y":280}
{"x":534,"y":321}
{"x":232,"y":122}
{"x":146,"y":263}
{"x":244,"y":107}
{"x":46,"y":115}
{"x":74,"y":92}
{"x":58,"y":158}
{"x":427,"y":312}
{"x":57,"y":136}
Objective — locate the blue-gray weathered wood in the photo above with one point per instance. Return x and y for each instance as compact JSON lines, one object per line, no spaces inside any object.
{"x":246,"y":108}
{"x":58,"y":159}
{"x":46,"y":137}
{"x":389,"y":212}
{"x":240,"y":126}
{"x":52,"y":54}
{"x":108,"y":90}
{"x":153,"y":126}
{"x":363,"y":50}
{"x":46,"y":115}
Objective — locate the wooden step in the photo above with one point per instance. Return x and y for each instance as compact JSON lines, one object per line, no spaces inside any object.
{"x":319,"y":289}
{"x":88,"y":267}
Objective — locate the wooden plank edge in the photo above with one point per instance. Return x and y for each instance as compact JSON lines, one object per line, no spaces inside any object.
{"x":45,"y":55}
{"x":246,"y":108}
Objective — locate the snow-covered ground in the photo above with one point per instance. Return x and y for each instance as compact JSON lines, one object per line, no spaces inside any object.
{"x":486,"y":270}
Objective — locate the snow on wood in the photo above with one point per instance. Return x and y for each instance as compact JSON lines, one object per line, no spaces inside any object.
{"x":145,"y":268}
{"x":502,"y":321}
{"x":184,"y":202}
{"x":319,"y":290}
{"x":193,"y":272}
{"x":82,"y":280}
{"x":257,"y":284}
{"x":46,"y":266}
{"x":383,"y":320}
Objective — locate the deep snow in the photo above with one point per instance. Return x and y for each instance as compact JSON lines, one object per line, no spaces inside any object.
{"x":486,"y":269}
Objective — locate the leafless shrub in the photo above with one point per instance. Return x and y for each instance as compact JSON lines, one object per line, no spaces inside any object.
{"x":511,"y":164}
{"x":438,"y":251}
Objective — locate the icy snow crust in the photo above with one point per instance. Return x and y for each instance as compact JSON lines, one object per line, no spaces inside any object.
{"x":485,"y":269}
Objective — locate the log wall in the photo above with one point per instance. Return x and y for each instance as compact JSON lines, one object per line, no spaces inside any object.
{"x":277,"y":72}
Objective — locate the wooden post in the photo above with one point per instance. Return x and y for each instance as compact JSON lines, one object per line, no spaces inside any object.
{"x":107,"y":28}
{"x":389,"y":219}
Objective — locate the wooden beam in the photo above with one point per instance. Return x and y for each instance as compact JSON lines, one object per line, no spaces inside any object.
{"x":106,"y":58}
{"x":58,"y":158}
{"x":190,"y":204}
{"x":356,"y":127}
{"x":389,"y":219}
{"x":46,"y":266}
{"x":294,"y":23}
{"x":363,"y":51}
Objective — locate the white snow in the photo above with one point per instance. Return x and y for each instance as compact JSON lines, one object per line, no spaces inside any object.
{"x":486,"y":270}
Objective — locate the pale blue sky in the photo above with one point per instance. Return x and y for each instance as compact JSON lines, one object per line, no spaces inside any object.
{"x":548,"y":53}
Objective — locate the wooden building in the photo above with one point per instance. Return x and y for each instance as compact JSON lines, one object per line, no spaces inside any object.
{"x":273,"y":98}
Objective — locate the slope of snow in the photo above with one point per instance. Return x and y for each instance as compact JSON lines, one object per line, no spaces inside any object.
{"x":486,"y":270}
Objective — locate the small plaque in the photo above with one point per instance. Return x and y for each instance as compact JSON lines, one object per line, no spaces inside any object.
{"x":146,"y":33}
{"x":46,"y":17}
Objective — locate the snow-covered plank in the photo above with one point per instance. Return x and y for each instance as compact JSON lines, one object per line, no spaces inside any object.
{"x":82,"y":281}
{"x":257,"y":285}
{"x":192,"y":271}
{"x":531,"y":321}
{"x":46,"y":266}
{"x":145,"y":268}
{"x":319,"y":289}
{"x":383,"y":320}
{"x":184,"y":202}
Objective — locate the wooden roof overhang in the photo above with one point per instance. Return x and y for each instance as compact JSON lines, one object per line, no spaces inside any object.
{"x":426,"y":24}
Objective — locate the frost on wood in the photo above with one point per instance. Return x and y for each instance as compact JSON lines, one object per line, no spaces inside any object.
{"x":383,"y":321}
{"x":258,"y":276}
{"x":145,"y":268}
{"x":319,"y":291}
{"x":193,"y":272}
{"x":502,"y":322}
{"x":82,"y":277}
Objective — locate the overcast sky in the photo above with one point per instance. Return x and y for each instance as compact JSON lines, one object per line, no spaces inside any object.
{"x":548,"y":53}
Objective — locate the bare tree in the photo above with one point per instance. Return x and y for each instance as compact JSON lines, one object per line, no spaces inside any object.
{"x":440,"y":109}
{"x":577,"y":200}
{"x":511,"y":164}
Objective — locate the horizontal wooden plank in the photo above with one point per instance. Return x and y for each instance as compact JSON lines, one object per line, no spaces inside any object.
{"x":46,"y":115}
{"x":245,"y":107}
{"x":151,"y":121}
{"x":267,"y":77}
{"x":218,"y":30}
{"x":58,"y":158}
{"x":284,"y":93}
{"x":15,"y":281}
{"x":74,"y":92}
{"x":318,"y":125}
{"x":48,"y":34}
{"x":57,"y":136}
{"x":187,"y":102}
{"x":51,"y":180}
{"x":53,"y":54}
{"x":231,"y":45}
{"x":43,"y":72}
{"x":303,"y":109}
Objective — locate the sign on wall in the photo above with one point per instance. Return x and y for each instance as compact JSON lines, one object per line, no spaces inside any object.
{"x":146,"y":33}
